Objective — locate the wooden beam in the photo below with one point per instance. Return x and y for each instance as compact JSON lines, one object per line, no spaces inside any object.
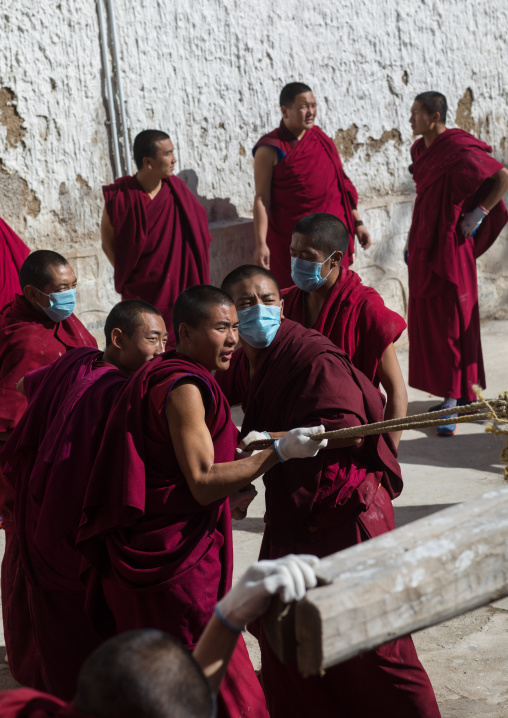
{"x":416,"y":576}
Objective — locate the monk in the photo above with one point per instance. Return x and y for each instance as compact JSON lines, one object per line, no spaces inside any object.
{"x":48,"y":459}
{"x":286,"y":375}
{"x":37,"y":327}
{"x":154,"y":231}
{"x":13,"y":252}
{"x":332,"y":300}
{"x":457,"y":215}
{"x":157,"y":524}
{"x":297,"y":170}
{"x":147,"y":674}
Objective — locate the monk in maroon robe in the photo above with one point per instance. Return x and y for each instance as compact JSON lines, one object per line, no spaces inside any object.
{"x":13,"y":252}
{"x":286,"y":375}
{"x":297,"y":171}
{"x":48,"y":458}
{"x":154,"y":231}
{"x":36,"y":328}
{"x":157,"y":523}
{"x":332,"y":300}
{"x":457,"y":215}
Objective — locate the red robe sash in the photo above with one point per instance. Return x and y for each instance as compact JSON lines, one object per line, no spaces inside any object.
{"x":354,"y":317}
{"x":309,"y":177}
{"x":48,"y":458}
{"x":28,"y":340}
{"x":452,"y":176}
{"x":13,"y":252}
{"x":161,"y":245}
{"x":27,"y":703}
{"x":161,"y":559}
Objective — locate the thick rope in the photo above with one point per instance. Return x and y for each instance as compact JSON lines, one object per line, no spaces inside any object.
{"x":496,"y":414}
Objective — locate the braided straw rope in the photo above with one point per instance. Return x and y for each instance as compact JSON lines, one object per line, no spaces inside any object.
{"x":496,"y":412}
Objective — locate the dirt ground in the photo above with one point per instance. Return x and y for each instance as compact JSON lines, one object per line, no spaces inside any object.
{"x":466,"y":657}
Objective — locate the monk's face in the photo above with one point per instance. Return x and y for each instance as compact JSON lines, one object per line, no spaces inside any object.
{"x":302,"y":113}
{"x":304,"y":247}
{"x":213,"y":340}
{"x":420,"y":120}
{"x":62,"y":279}
{"x":259,"y":289}
{"x":163,"y":164}
{"x":147,"y":341}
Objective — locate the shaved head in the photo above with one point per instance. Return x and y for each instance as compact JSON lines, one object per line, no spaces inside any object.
{"x":328,"y":232}
{"x":290,"y":91}
{"x":143,"y":674}
{"x":246,"y":271}
{"x":195,"y":304}
{"x":126,"y":316}
{"x":37,"y":269}
{"x":145,"y":145}
{"x":433,"y":102}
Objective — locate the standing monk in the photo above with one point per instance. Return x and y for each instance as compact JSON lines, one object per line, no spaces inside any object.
{"x":286,"y":375}
{"x":457,"y":215}
{"x":332,"y":300}
{"x":35,"y":329}
{"x":13,"y":252}
{"x":157,"y":523}
{"x":297,"y":170}
{"x":48,"y":458}
{"x":154,"y":231}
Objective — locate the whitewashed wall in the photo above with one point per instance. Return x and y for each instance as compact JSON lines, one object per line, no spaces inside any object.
{"x":210,"y":75}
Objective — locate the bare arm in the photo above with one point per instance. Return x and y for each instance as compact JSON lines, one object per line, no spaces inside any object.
{"x":214,"y":649}
{"x":20,"y":387}
{"x":265,"y":160}
{"x":108,"y":238}
{"x":499,"y":188}
{"x":194,"y":450}
{"x":390,"y":376}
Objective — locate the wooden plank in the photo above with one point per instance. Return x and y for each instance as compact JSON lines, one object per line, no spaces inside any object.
{"x":416,"y":576}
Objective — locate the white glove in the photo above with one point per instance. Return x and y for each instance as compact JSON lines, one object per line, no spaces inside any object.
{"x":289,"y":577}
{"x":472,"y":220}
{"x":297,"y":444}
{"x":253,"y":436}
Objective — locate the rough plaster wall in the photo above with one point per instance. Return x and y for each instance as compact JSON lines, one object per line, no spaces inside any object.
{"x":210,"y":74}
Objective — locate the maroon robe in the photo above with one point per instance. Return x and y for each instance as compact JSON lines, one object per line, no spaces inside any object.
{"x":158,"y":558}
{"x":13,"y":252}
{"x":49,"y":458}
{"x":324,"y":504}
{"x":27,"y":703}
{"x":354,"y":317}
{"x":451,"y":177}
{"x":28,"y":340}
{"x":161,"y":245}
{"x":308,"y":177}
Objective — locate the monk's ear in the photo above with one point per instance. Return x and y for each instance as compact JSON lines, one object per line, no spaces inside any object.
{"x":31,"y":293}
{"x":284,"y":111}
{"x":183,"y":332}
{"x":337,"y":258}
{"x":147,"y":163}
{"x":281,"y":309}
{"x":117,"y":338}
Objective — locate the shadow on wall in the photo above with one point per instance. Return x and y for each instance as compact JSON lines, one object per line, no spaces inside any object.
{"x":233,"y":236}
{"x":217,"y":209}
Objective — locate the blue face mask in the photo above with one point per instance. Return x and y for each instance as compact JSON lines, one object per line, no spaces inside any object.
{"x":61,"y":304}
{"x":258,"y":324}
{"x":307,"y":275}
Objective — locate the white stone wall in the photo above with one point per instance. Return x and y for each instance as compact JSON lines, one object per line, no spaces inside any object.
{"x":210,"y":73}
